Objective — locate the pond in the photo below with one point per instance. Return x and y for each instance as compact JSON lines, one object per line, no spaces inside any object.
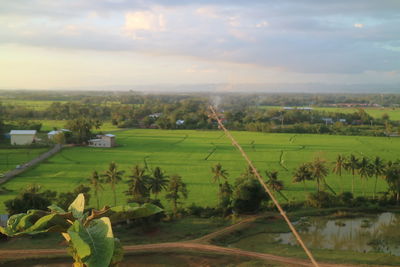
{"x":375,"y":233}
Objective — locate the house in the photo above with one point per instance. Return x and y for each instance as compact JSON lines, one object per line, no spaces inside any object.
{"x":51,"y":134}
{"x":180,"y":122}
{"x":22,"y":137}
{"x":107,"y":140}
{"x":342,"y":120}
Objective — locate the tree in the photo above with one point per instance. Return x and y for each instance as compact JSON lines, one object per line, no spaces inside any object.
{"x":219,"y":173}
{"x":138,"y":185}
{"x":365,"y":169}
{"x":95,"y":181}
{"x":225,"y":197}
{"x":158,"y":182}
{"x":176,"y":190}
{"x":378,"y":167}
{"x":319,"y":171}
{"x":30,"y":197}
{"x":351,"y":165}
{"x":82,"y":128}
{"x":302,"y":174}
{"x":248,"y":195}
{"x":275,"y":184}
{"x":392,"y":177}
{"x":339,"y":166}
{"x":113,"y":176}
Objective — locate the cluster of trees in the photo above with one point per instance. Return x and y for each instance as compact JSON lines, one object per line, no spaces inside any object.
{"x":143,"y":186}
{"x":364,"y":167}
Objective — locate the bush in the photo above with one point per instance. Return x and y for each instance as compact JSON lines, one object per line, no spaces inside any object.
{"x":321,"y":200}
{"x":248,"y":195}
{"x":345,"y":198}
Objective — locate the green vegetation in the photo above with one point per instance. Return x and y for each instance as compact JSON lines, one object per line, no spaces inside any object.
{"x":185,"y":152}
{"x":90,"y":236}
{"x":10,"y":157}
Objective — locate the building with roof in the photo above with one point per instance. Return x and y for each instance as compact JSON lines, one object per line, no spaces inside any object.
{"x":106,"y":140}
{"x":22,"y":137}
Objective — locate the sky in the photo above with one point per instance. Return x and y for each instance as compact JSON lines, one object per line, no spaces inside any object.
{"x":67,"y":44}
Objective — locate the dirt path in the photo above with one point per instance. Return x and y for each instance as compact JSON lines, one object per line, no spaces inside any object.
{"x":199,"y":244}
{"x":226,"y":230}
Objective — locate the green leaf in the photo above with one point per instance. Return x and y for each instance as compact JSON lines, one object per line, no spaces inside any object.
{"x":77,"y":207}
{"x":122,"y":213}
{"x":55,"y":208}
{"x":94,"y":244}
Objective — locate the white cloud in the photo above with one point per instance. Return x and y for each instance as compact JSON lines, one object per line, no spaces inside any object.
{"x":358,"y":25}
{"x":143,"y":21}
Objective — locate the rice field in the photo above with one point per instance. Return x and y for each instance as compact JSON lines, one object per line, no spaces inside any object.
{"x":191,"y":154}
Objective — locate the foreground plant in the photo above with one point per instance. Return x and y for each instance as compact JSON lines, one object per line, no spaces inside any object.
{"x":89,"y":235}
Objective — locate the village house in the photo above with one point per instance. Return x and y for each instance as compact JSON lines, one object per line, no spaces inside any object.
{"x":22,"y":137}
{"x":107,"y":140}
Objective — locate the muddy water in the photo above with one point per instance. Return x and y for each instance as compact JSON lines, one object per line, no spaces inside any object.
{"x":379,"y":233}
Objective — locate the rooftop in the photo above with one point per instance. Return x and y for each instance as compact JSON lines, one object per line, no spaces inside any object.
{"x":23,"y":132}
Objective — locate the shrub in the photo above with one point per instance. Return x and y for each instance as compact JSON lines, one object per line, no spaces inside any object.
{"x":321,"y":200}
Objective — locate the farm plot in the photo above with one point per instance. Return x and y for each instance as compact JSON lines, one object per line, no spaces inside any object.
{"x":192,"y":153}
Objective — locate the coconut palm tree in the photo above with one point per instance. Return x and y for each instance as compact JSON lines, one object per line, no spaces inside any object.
{"x":219,"y":173}
{"x":378,"y":170}
{"x":339,"y":166}
{"x":275,"y":184}
{"x":138,"y":184}
{"x":113,"y":176}
{"x":158,"y":181}
{"x":365,"y":170}
{"x":319,"y":171}
{"x":392,"y":177}
{"x":303,"y":174}
{"x":176,"y":190}
{"x":351,"y":165}
{"x":95,"y":181}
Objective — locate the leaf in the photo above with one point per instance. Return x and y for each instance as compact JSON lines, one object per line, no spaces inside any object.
{"x":122,"y":213}
{"x":77,"y":207}
{"x":55,"y":208}
{"x":94,"y":244}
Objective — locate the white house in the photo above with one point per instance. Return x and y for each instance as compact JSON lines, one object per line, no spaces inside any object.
{"x":107,"y":140}
{"x":22,"y":137}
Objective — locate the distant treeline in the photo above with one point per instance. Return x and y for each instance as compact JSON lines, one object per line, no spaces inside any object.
{"x":190,"y":111}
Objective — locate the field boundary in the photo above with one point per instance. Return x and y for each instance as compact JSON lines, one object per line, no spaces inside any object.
{"x":11,"y":174}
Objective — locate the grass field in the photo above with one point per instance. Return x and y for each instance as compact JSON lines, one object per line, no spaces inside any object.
{"x":192,"y":153}
{"x":11,"y":157}
{"x":29,"y":104}
{"x":394,"y":113}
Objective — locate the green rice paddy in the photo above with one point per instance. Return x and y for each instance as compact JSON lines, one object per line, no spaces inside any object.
{"x":191,"y":154}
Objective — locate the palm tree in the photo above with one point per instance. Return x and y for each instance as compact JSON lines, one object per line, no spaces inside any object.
{"x":392,"y":176}
{"x":158,"y":181}
{"x":339,"y":166}
{"x":219,"y":173}
{"x":176,"y":190}
{"x":303,"y":174}
{"x":138,"y":184}
{"x":378,"y":169}
{"x":365,"y":170}
{"x":275,"y":184}
{"x":95,"y":181}
{"x":113,"y":176}
{"x":352,"y":165}
{"x":319,"y":171}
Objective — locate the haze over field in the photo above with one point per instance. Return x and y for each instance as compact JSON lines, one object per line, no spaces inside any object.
{"x":292,"y":45}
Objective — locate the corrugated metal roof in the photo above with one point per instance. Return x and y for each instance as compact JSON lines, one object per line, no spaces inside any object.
{"x":110,"y":135}
{"x":23,"y":132}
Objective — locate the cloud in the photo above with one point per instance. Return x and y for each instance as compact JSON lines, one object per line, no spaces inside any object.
{"x":143,"y":21}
